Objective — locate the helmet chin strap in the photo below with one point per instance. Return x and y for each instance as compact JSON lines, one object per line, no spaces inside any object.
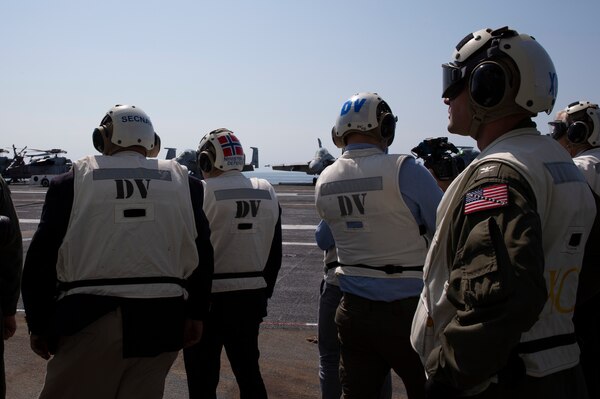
{"x":486,"y":115}
{"x":383,"y":144}
{"x":113,"y":149}
{"x":476,"y":122}
{"x":110,"y":148}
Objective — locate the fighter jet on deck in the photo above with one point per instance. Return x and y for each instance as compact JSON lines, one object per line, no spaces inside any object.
{"x":315,"y":166}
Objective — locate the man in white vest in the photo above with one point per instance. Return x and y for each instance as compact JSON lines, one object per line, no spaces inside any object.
{"x":380,"y":210}
{"x":117,"y":277}
{"x":495,"y":316}
{"x":245,"y":222}
{"x":577,"y":129}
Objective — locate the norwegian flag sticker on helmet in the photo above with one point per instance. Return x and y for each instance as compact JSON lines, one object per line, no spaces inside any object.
{"x":231,"y":145}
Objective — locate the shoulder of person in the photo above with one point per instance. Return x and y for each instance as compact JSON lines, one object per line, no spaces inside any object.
{"x":490,"y":183}
{"x":494,"y":171}
{"x":63,"y":179}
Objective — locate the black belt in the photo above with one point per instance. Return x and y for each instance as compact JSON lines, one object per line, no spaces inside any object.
{"x":538,"y":345}
{"x":69,"y":285}
{"x":331,"y":265}
{"x":224,"y":276}
{"x":388,"y":269}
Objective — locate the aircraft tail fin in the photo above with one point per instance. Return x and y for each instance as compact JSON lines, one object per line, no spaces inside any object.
{"x":254,"y":161}
{"x":170,"y":152}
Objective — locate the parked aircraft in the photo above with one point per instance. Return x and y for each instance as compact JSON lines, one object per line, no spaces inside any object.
{"x":170,"y":152}
{"x":42,"y":165}
{"x":4,"y":160}
{"x":188,"y":157}
{"x":315,"y":166}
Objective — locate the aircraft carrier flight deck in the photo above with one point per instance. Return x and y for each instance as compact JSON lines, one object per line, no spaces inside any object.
{"x":289,"y":354}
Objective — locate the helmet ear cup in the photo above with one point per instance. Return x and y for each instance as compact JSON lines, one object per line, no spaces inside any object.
{"x":101,"y":138}
{"x":487,"y":84}
{"x":577,"y":132}
{"x":336,"y":140}
{"x":206,"y":161}
{"x":153,"y":153}
{"x":388,"y":127}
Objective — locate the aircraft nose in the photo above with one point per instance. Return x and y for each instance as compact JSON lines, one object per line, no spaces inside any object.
{"x":314,"y":166}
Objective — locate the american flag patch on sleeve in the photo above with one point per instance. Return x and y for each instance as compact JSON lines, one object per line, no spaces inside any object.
{"x":488,"y":197}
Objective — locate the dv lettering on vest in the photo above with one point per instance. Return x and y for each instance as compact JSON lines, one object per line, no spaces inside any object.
{"x":126,"y":188}
{"x":350,"y":203}
{"x":247,"y":207}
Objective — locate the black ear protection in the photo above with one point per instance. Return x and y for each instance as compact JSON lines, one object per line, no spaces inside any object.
{"x":578,"y":132}
{"x":102,"y":134}
{"x":101,"y":137}
{"x":387,"y":122}
{"x":488,"y":84}
{"x":388,"y":127}
{"x":206,"y":160}
{"x":153,"y":153}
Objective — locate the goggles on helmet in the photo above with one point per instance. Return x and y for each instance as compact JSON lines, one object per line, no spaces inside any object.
{"x":558,"y":129}
{"x":453,"y":80}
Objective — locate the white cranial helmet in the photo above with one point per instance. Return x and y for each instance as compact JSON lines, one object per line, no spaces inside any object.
{"x":222,"y":150}
{"x":126,"y":126}
{"x":367,"y":114}
{"x":479,"y":61}
{"x":583,"y":123}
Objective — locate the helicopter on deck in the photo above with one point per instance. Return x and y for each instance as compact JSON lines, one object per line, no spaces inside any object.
{"x":4,"y":160}
{"x":38,"y":165}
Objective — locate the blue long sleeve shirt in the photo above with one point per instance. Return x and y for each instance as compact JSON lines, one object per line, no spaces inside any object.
{"x":422,"y":196}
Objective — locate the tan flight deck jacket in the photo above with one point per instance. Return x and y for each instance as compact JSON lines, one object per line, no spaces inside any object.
{"x":496,"y":288}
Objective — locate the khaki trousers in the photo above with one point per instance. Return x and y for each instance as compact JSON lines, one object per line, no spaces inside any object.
{"x":90,"y":365}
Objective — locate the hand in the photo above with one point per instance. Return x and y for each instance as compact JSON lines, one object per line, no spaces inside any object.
{"x":442,"y":184}
{"x":10,"y":326}
{"x":192,"y":332}
{"x":39,"y":345}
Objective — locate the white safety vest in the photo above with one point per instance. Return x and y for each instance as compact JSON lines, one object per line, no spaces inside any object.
{"x":588,"y":163}
{"x":131,"y":230}
{"x":242,"y":213}
{"x":564,"y":205}
{"x":359,"y":198}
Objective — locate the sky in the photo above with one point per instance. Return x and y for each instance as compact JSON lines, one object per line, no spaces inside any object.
{"x":274,"y":72}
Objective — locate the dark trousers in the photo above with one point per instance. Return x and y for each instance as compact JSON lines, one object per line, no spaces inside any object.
{"x":374,"y":338}
{"x":587,"y":329}
{"x":329,"y":346}
{"x":233,"y":323}
{"x":2,"y":370}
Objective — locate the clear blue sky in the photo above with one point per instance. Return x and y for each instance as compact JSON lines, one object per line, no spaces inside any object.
{"x":275,"y":72}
